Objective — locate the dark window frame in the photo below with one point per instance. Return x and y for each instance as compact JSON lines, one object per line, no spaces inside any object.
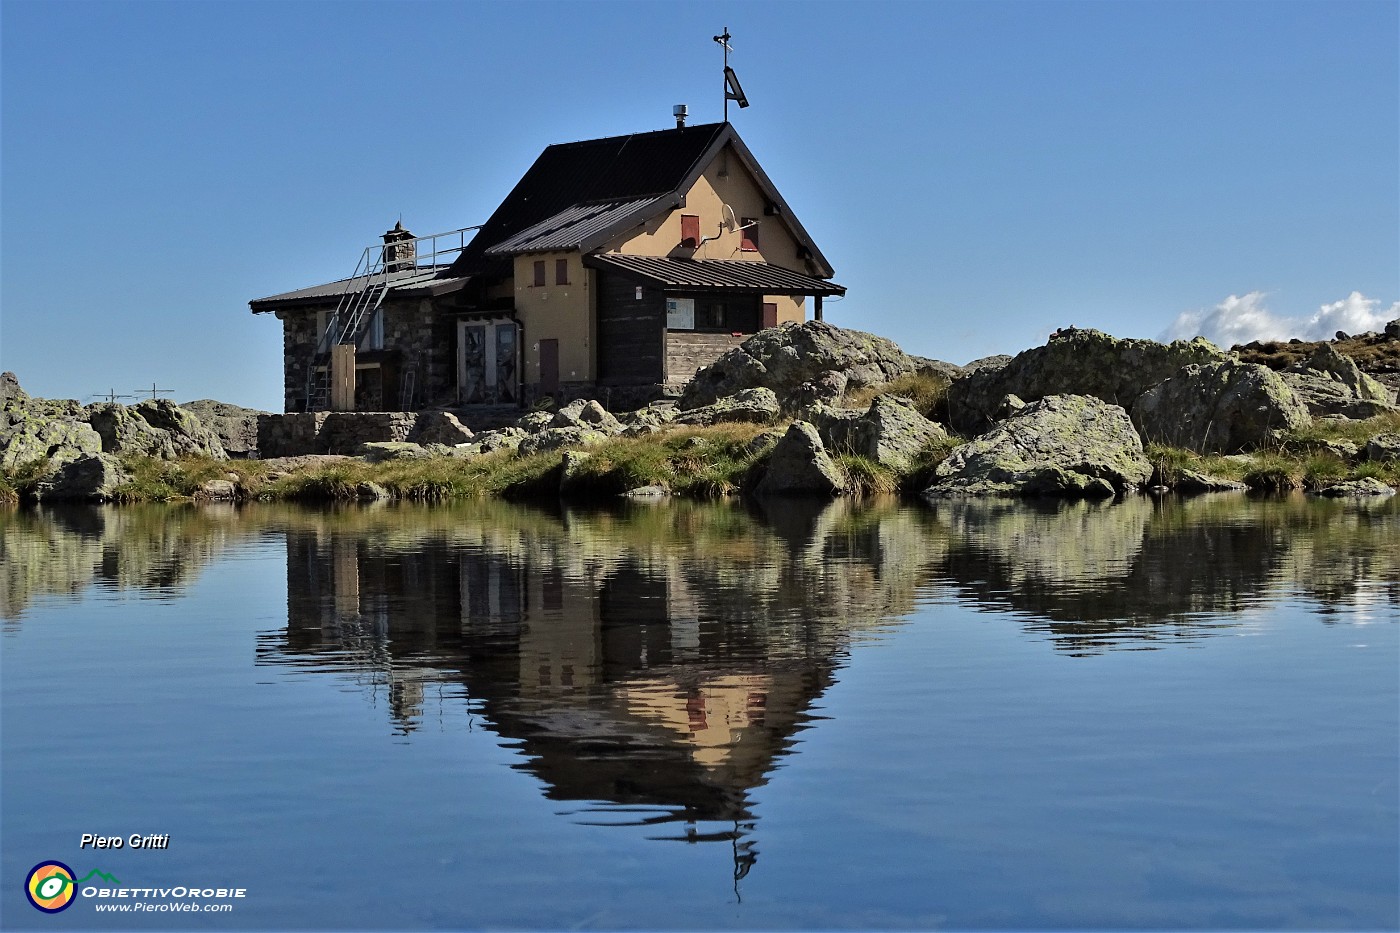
{"x":749,"y":241}
{"x":539,"y":273}
{"x":561,"y":272}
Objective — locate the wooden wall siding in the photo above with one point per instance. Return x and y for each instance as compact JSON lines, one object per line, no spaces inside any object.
{"x":631,"y":333}
{"x":687,"y":351}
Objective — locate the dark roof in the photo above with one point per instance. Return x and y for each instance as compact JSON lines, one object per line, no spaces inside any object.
{"x":431,"y":280}
{"x":573,"y":226}
{"x":651,"y":171}
{"x":730,"y":275}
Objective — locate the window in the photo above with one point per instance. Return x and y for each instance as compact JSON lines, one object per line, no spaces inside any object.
{"x":690,"y":230}
{"x":539,"y":273}
{"x":561,"y":272}
{"x":711,"y":316}
{"x":749,"y":243}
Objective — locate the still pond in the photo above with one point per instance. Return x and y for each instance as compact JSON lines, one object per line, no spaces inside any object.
{"x":1175,"y":713}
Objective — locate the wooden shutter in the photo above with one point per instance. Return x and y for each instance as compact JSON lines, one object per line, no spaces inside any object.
{"x":750,"y":236}
{"x":539,"y":272}
{"x":561,"y":272}
{"x":690,"y":230}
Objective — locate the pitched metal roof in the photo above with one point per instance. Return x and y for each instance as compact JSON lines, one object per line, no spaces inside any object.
{"x":573,"y":226}
{"x":657,"y":166}
{"x":732,"y":275}
{"x":431,"y":280}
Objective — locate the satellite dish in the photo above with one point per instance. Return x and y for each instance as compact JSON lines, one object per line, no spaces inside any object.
{"x":730,"y":221}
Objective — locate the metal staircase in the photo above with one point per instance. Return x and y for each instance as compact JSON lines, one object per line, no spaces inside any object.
{"x":381,"y":267}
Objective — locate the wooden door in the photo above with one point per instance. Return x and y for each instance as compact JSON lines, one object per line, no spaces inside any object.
{"x":770,"y":314}
{"x":549,"y":366}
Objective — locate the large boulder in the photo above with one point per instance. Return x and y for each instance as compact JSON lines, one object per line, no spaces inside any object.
{"x":752,"y":406}
{"x":1066,"y":445}
{"x":27,"y":435}
{"x":91,"y":477}
{"x":235,"y":426}
{"x":1383,"y":447}
{"x":587,"y":414}
{"x":1222,"y":407}
{"x":891,"y":432}
{"x":1075,"y":362}
{"x":10,"y":390}
{"x":783,"y":358}
{"x":557,"y":438}
{"x":156,"y":428}
{"x":440,"y":427}
{"x":1330,"y":383}
{"x":800,"y":465}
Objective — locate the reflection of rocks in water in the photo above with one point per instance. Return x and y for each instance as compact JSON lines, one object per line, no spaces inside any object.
{"x":652,"y":661}
{"x":1141,"y":571}
{"x":62,"y":550}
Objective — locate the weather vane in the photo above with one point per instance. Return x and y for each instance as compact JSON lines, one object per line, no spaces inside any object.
{"x":732,"y":90}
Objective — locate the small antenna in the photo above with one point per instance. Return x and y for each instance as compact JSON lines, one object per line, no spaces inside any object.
{"x":155,"y":392}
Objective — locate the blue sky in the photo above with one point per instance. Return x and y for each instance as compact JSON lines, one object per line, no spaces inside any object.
{"x":978,"y":173}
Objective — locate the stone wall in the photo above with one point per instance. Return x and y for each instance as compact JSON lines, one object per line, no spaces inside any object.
{"x":329,"y":432}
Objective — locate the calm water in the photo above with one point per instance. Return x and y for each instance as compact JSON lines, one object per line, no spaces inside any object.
{"x":1175,"y":714}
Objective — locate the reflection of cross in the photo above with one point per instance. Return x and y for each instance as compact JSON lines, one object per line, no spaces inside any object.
{"x":112,"y":396}
{"x":154,"y":391}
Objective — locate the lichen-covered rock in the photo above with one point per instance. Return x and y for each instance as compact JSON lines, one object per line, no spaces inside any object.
{"x":440,"y":427}
{"x":1362,"y":488}
{"x":647,"y":492}
{"x":572,"y":472}
{"x":752,"y":406}
{"x":783,"y":358}
{"x":556,"y":438}
{"x":380,"y":451}
{"x":586,"y":413}
{"x":891,"y":432}
{"x":235,"y":426}
{"x":1192,"y":481}
{"x":948,"y":371}
{"x":486,"y":442}
{"x":1076,"y":362}
{"x":371,"y":492}
{"x":800,"y":465}
{"x":156,"y":428}
{"x":91,"y":477}
{"x":218,"y":489}
{"x":10,"y":390}
{"x":1035,"y":450}
{"x":26,"y":436}
{"x":535,"y":421}
{"x":1221,"y":407}
{"x":1383,"y":447}
{"x":1330,"y":383}
{"x":826,"y":389}
{"x":987,"y":364}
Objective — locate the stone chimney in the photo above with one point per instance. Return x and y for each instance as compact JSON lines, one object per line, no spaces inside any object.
{"x":400,"y":251}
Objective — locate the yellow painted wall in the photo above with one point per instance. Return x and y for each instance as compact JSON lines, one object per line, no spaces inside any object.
{"x":791,"y":308}
{"x":725,"y":181}
{"x":560,"y":312}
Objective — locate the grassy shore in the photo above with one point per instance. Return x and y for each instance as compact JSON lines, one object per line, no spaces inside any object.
{"x":691,"y":462}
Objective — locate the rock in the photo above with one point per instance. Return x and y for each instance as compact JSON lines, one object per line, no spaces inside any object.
{"x":572,"y":472}
{"x":1009,"y":406}
{"x":371,"y":491}
{"x":647,"y":492}
{"x":535,"y":421}
{"x":555,"y":438}
{"x":987,"y":364}
{"x":440,"y":427}
{"x":1032,"y":452}
{"x":800,"y":465}
{"x":1078,"y":362}
{"x":1193,"y":482}
{"x":586,"y":413}
{"x":156,"y":428}
{"x":486,"y":442}
{"x":235,"y":426}
{"x":1358,"y":489}
{"x":762,"y":443}
{"x":891,"y":432}
{"x":380,"y":451}
{"x":278,"y":467}
{"x":1341,"y":335}
{"x":782,"y":358}
{"x":1331,"y":384}
{"x":1344,"y":450}
{"x":1222,"y":407}
{"x":948,"y":371}
{"x":26,"y":435}
{"x":1392,"y":330}
{"x":826,"y":389}
{"x":10,"y":390}
{"x":218,"y":489}
{"x":653,"y":415}
{"x":90,"y":477}
{"x":1383,"y":447}
{"x":755,"y":406}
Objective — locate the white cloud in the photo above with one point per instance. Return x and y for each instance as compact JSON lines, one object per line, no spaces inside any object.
{"x":1241,"y":319}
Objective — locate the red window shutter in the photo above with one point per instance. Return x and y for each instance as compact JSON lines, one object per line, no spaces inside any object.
{"x":539,"y":272}
{"x":750,"y":241}
{"x":561,"y":272}
{"x":690,"y":230}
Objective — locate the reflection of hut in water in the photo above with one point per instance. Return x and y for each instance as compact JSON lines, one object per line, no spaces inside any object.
{"x":659,"y":684}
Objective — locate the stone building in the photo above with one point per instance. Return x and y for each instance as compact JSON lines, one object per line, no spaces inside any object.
{"x":615,"y":268}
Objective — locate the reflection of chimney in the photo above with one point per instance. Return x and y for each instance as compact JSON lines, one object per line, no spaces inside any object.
{"x":400,"y":251}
